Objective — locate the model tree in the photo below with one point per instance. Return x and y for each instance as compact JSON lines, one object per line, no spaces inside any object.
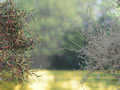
{"x":14,"y":62}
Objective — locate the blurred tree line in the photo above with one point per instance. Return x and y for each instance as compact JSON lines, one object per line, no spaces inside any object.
{"x":59,"y":24}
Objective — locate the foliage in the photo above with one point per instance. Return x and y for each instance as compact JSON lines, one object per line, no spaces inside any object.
{"x":67,"y":58}
{"x":53,"y":19}
{"x":14,"y":62}
{"x":118,"y":3}
{"x":103,"y":45}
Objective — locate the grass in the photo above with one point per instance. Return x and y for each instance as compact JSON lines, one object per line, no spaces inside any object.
{"x":66,"y":80}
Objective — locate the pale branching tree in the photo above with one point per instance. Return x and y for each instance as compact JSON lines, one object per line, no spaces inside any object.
{"x":102,"y":49}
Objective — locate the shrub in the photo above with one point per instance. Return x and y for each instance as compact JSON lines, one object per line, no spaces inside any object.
{"x":14,"y":62}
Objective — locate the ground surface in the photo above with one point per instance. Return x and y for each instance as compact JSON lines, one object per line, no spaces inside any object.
{"x":66,"y":80}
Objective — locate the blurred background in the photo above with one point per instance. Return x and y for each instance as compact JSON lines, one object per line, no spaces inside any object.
{"x":58,"y":25}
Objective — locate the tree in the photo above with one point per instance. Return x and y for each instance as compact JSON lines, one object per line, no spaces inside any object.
{"x":67,"y":57}
{"x":118,"y":3}
{"x":52,"y":21}
{"x":14,"y":62}
{"x":102,"y":47}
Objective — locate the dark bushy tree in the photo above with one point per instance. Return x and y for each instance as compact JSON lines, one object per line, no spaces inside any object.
{"x":68,"y":58}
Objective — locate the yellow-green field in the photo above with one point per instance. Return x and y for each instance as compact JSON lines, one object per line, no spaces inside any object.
{"x":66,"y":80}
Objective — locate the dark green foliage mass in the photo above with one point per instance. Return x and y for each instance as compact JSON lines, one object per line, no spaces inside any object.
{"x":68,"y":58}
